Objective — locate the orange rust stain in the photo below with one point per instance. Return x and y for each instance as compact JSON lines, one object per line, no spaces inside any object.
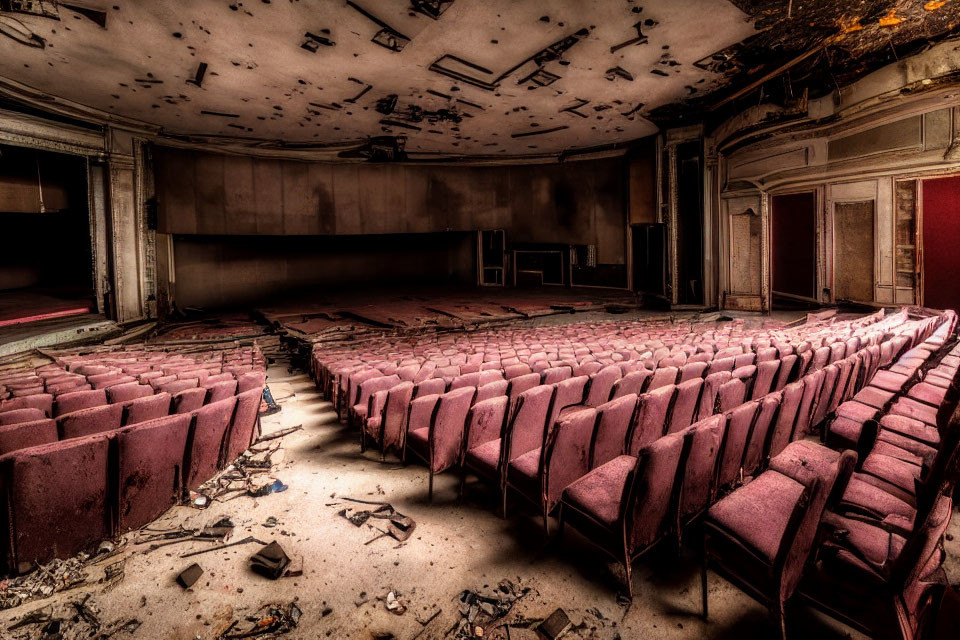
{"x":849,"y":24}
{"x":890,"y":19}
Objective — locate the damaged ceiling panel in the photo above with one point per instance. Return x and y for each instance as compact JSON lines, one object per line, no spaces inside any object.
{"x":450,"y":77}
{"x":809,"y":48}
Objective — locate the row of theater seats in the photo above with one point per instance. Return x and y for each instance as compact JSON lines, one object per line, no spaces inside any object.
{"x":341,"y":378}
{"x":855,"y":528}
{"x":386,"y":398}
{"x":339,"y":371}
{"x":131,"y":432}
{"x":507,"y":431}
{"x":519,"y":351}
{"x":626,"y":467}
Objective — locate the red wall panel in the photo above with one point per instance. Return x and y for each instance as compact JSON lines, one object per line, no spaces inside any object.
{"x":941,"y":242}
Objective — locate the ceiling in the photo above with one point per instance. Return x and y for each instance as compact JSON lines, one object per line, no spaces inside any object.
{"x":483,"y":77}
{"x":448,"y":77}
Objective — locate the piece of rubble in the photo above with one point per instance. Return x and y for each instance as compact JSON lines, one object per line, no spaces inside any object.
{"x":271,"y":620}
{"x":270,"y":561}
{"x":261,"y":489}
{"x":399,"y":526}
{"x":394,"y":604}
{"x":483,"y":609}
{"x":555,"y":626}
{"x":189,"y":576}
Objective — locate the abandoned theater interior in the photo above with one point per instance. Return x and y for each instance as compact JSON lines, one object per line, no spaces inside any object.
{"x":454,"y":319}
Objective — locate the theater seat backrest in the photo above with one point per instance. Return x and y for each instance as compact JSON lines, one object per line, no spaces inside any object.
{"x":243,"y":424}
{"x":188,"y":400}
{"x":150,"y":468}
{"x":22,"y":435}
{"x":85,"y":422}
{"x":146,"y":408}
{"x":218,"y":391}
{"x":19,"y":416}
{"x":207,"y":433}
{"x":39,"y":530}
{"x":251,"y":380}
{"x":42,"y":401}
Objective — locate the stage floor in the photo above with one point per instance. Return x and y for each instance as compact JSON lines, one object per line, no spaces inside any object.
{"x":24,"y":306}
{"x":322,"y":313}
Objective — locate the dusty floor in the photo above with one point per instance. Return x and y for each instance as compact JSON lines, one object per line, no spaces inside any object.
{"x":455,"y":546}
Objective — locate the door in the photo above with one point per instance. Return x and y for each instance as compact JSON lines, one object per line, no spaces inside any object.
{"x":940,"y":217}
{"x":491,"y":252}
{"x":853,"y":262}
{"x":794,"y":242}
{"x":649,"y":258}
{"x":689,"y":223}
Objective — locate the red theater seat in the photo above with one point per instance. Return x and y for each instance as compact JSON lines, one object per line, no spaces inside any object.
{"x":146,"y":408}
{"x":14,"y":437}
{"x":207,"y":433}
{"x":243,"y":424}
{"x":55,"y":515}
{"x":86,"y":422}
{"x":77,"y":400}
{"x":150,"y":468}
{"x":18,"y":416}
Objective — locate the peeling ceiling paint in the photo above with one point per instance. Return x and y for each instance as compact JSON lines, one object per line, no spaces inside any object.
{"x":459,"y":77}
{"x":810,"y":48}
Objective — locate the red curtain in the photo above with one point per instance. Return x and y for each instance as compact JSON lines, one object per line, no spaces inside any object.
{"x":941,"y":243}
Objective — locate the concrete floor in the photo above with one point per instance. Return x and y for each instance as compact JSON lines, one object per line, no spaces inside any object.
{"x":455,"y":546}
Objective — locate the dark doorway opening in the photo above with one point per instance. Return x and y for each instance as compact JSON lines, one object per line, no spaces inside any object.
{"x":793,"y":222}
{"x":941,"y":237}
{"x":690,"y":223}
{"x":46,"y":266}
{"x":649,"y":258}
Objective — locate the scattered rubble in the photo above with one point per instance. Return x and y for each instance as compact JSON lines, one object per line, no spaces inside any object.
{"x":555,"y":626}
{"x":72,"y":620}
{"x":270,"y":620}
{"x":480,"y":611}
{"x":399,"y":526}
{"x":61,"y":575}
{"x":248,"y":475}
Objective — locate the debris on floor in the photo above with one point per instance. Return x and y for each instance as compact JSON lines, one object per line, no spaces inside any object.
{"x":268,"y":406}
{"x":395,"y":604}
{"x":398,"y":526}
{"x":480,"y":611}
{"x":258,"y":490}
{"x":189,"y":576}
{"x":270,"y":620}
{"x":70,"y":620}
{"x":250,"y":474}
{"x":555,"y":626}
{"x":236,"y":543}
{"x":60,"y":575}
{"x":279,"y":434}
{"x":220,"y":530}
{"x":270,"y":561}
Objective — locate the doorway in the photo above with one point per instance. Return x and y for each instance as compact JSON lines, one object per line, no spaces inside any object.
{"x":853,"y":271}
{"x":793,"y":221}
{"x":649,"y":258}
{"x":46,"y":267}
{"x":690,"y":223}
{"x":941,"y":237}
